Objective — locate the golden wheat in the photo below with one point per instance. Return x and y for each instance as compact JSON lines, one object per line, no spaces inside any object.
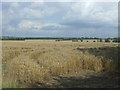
{"x":39,"y":61}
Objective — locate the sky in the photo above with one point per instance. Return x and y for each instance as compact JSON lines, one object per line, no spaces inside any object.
{"x":60,"y":19}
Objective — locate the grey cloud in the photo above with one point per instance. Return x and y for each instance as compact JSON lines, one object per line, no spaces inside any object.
{"x":62,"y":19}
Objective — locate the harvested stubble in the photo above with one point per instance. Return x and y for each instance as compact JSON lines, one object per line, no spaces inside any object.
{"x":27,"y":71}
{"x":41,"y":64}
{"x":106,"y":57}
{"x":8,"y":55}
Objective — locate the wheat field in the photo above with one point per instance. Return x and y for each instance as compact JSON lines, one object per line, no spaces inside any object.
{"x":47,"y":63}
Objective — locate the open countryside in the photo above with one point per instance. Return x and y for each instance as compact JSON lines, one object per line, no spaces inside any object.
{"x":66,"y":44}
{"x":59,"y":64}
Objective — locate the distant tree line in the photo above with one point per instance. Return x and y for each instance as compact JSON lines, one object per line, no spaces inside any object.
{"x":60,"y":38}
{"x":116,"y":40}
{"x":12,"y":38}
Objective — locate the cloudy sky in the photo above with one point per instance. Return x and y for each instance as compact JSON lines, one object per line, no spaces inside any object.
{"x":60,"y":19}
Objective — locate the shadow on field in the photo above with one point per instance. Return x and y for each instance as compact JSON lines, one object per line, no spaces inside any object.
{"x":75,"y":82}
{"x":106,"y":52}
{"x":103,"y":80}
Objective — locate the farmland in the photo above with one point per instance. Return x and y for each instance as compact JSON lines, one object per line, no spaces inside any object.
{"x":64,"y":64}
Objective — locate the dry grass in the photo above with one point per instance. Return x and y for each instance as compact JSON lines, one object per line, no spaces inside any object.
{"x":28,"y":71}
{"x":39,"y":61}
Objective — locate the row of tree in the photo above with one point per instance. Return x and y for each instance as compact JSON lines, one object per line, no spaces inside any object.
{"x":60,"y":38}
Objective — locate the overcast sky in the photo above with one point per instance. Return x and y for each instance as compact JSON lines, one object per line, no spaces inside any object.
{"x":60,"y":19}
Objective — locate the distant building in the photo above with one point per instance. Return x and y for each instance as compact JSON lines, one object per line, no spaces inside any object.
{"x":89,"y":40}
{"x":74,"y":40}
{"x":96,"y":40}
{"x":58,"y":40}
